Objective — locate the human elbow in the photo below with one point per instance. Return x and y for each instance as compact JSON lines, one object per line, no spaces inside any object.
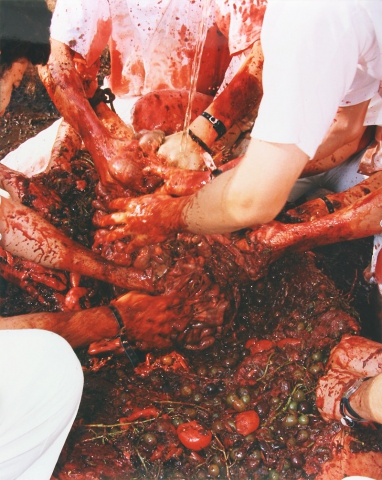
{"x":246,"y":209}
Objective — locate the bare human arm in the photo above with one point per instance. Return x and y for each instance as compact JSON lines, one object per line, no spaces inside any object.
{"x":242,"y":95}
{"x":70,"y":95}
{"x":25,"y":234}
{"x":346,"y":136}
{"x":251,"y":193}
{"x":150,"y":321}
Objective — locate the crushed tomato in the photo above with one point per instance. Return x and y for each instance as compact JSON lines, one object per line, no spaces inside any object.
{"x":193,"y":435}
{"x":247,"y":422}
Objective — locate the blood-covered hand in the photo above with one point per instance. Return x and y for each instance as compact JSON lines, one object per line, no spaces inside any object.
{"x":248,"y":257}
{"x":124,"y":162}
{"x":34,"y":194}
{"x":309,"y":211}
{"x":182,"y":154}
{"x":177,"y":181}
{"x":150,"y":140}
{"x":153,"y":322}
{"x":143,"y":221}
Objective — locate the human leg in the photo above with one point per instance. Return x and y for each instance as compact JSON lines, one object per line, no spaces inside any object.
{"x":40,"y":389}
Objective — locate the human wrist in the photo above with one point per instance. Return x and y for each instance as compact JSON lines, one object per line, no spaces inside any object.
{"x":204,"y":130}
{"x":175,"y":220}
{"x":366,"y":401}
{"x":216,"y":123}
{"x":353,"y":404}
{"x":127,"y":348}
{"x":329,"y":205}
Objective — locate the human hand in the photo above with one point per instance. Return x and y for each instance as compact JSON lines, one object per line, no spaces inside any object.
{"x":177,"y":181}
{"x":144,"y":220}
{"x":18,"y":186}
{"x":180,"y":153}
{"x":150,"y":140}
{"x":119,"y":157}
{"x":308,"y":211}
{"x":155,"y":321}
{"x":126,"y":165}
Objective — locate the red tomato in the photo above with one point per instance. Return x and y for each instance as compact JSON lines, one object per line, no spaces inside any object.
{"x":261,"y":346}
{"x":247,"y":422}
{"x":193,"y":435}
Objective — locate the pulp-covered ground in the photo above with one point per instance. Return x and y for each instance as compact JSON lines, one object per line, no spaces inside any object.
{"x":129,"y":421}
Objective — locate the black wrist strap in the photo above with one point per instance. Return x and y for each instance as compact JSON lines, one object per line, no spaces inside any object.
{"x":217,"y":124}
{"x":328,"y":204}
{"x":349,"y":416}
{"x":104,"y":95}
{"x":128,"y":349}
{"x":200,"y":142}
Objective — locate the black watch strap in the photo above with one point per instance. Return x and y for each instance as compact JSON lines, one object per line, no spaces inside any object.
{"x":217,"y":124}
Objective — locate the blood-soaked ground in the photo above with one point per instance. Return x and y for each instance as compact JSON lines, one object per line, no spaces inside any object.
{"x":129,"y":421}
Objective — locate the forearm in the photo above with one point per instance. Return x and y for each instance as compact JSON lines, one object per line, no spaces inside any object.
{"x":252,"y":193}
{"x":66,"y":90}
{"x":347,"y":127}
{"x":241,"y":96}
{"x":367,"y":400}
{"x":78,"y":328}
{"x":25,"y":234}
{"x":320,"y":165}
{"x":361,"y":219}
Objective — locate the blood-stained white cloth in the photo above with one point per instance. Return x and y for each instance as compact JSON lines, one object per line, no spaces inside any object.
{"x":242,"y":26}
{"x":41,"y":384}
{"x":240,"y":23}
{"x":151,"y":43}
{"x":318,"y":55}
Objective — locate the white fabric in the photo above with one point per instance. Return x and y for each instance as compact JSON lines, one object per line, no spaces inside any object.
{"x":41,"y":384}
{"x":374,"y":111}
{"x":151,"y":43}
{"x":357,"y":477}
{"x":148,"y":45}
{"x":242,"y":26}
{"x":336,"y":180}
{"x":317,"y":54}
{"x":33,"y":156}
{"x":377,"y":245}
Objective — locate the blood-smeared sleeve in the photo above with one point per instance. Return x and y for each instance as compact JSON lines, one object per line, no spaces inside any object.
{"x":83,"y":25}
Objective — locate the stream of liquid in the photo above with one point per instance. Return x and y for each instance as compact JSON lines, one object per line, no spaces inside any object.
{"x":200,"y":41}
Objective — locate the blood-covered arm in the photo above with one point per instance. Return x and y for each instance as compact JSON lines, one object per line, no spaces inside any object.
{"x":251,"y":193}
{"x":241,"y":96}
{"x":150,"y":321}
{"x":25,"y":234}
{"x":67,"y":92}
{"x":346,"y":136}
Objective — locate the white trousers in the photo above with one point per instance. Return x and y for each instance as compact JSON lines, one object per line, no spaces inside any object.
{"x":41,"y":384}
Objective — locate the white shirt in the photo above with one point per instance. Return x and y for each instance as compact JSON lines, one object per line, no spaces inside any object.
{"x":152,"y":43}
{"x":318,"y":55}
{"x":240,"y":23}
